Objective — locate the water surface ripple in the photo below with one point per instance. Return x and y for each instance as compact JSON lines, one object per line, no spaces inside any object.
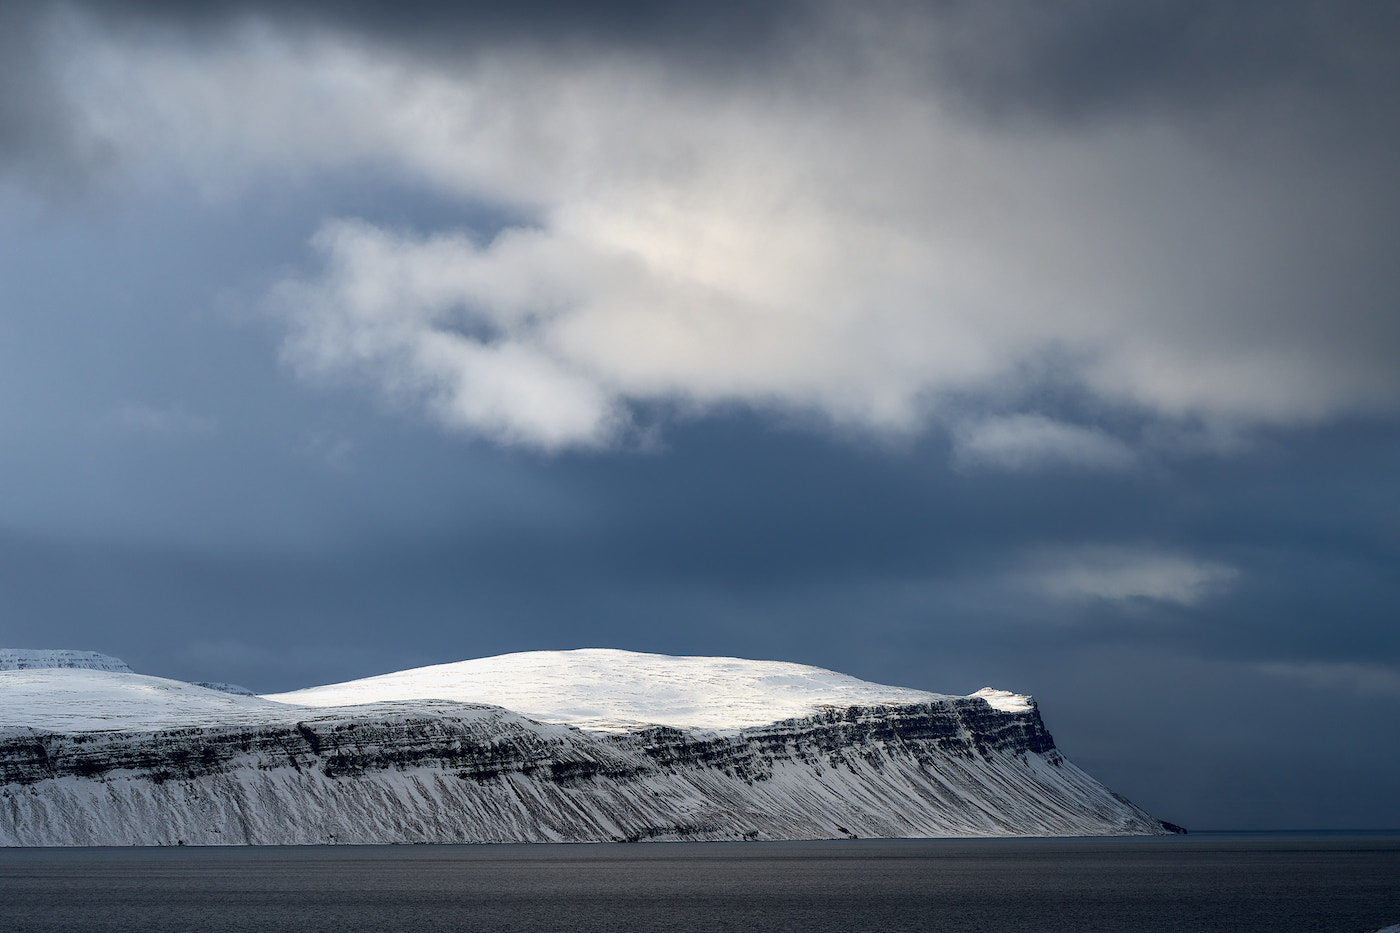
{"x":1313,"y":882}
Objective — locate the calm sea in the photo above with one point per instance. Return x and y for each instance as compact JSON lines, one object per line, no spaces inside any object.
{"x":1305,"y":882}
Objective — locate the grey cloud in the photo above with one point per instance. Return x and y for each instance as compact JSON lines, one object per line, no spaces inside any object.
{"x":1088,"y":59}
{"x":879,"y":256}
{"x":47,"y":146}
{"x":41,"y":143}
{"x":724,"y":31}
{"x":1028,"y":442}
{"x":1087,"y":572}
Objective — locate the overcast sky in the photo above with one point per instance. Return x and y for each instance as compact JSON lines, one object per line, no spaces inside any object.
{"x":943,"y":344}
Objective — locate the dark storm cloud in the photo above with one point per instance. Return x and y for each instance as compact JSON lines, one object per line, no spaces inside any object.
{"x":805,"y":534}
{"x":1098,"y":57}
{"x":1065,"y":59}
{"x":727,"y":30}
{"x":1063,"y":62}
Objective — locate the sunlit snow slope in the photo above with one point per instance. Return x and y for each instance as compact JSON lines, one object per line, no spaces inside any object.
{"x":610,"y":690}
{"x":76,"y":700}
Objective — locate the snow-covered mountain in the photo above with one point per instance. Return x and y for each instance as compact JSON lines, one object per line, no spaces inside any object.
{"x":541,"y":746}
{"x":24,"y":659}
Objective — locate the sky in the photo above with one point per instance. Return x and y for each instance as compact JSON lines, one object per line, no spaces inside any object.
{"x":945,"y":344}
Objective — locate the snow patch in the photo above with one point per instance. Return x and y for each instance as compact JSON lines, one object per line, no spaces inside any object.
{"x":1004,"y":700}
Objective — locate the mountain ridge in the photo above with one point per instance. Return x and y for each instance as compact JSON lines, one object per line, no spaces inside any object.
{"x":23,"y":659}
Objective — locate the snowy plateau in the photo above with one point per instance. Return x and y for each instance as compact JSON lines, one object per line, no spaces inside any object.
{"x":543,"y":746}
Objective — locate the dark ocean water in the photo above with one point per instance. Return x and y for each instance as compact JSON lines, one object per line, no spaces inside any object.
{"x":1305,"y":882}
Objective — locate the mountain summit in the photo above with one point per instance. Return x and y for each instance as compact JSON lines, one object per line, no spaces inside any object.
{"x":607,"y":689}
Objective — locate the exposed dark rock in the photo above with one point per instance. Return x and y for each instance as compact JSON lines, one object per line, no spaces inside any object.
{"x":458,"y":773}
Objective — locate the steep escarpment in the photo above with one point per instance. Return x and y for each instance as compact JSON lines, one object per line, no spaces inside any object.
{"x":433,"y":771}
{"x":26,"y":659}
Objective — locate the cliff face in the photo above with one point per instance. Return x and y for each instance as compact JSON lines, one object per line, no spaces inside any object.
{"x":27,"y":659}
{"x":429,"y":771}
